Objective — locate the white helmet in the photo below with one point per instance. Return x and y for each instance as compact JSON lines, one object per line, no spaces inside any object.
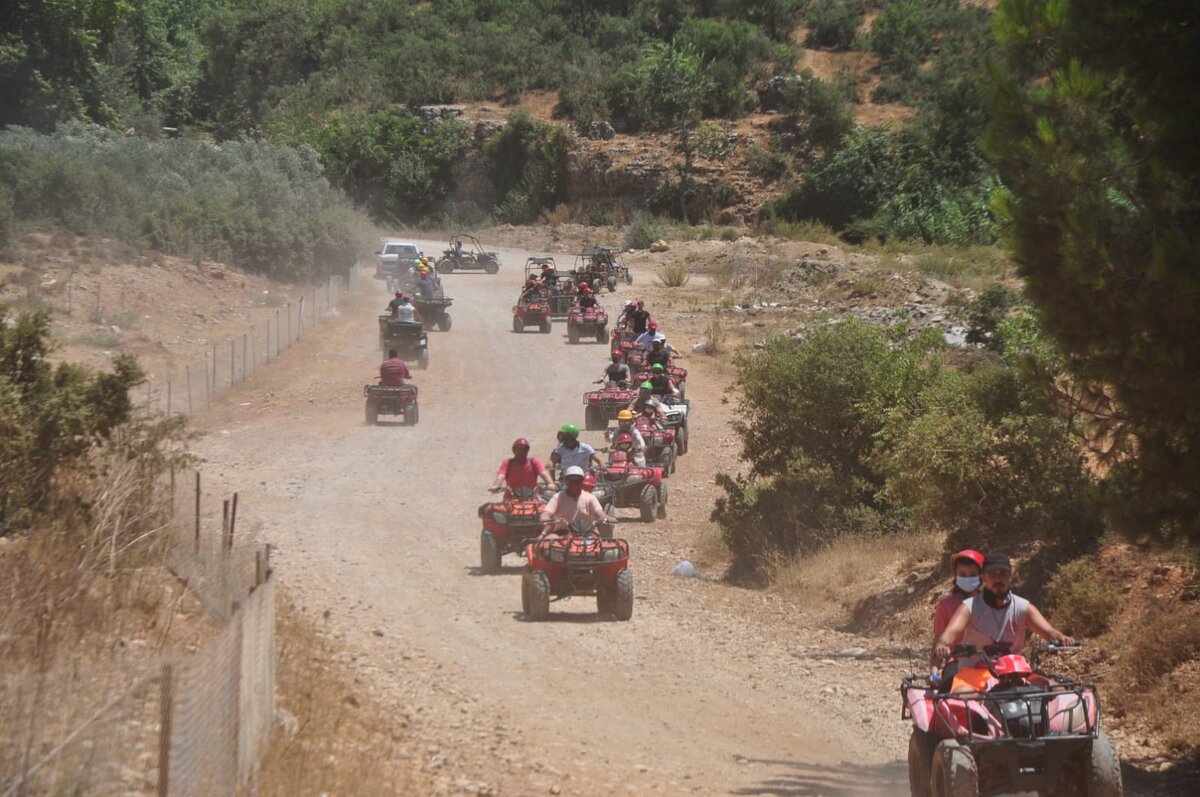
{"x":574,"y":470}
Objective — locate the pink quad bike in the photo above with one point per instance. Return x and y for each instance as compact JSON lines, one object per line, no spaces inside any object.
{"x":1026,"y":731}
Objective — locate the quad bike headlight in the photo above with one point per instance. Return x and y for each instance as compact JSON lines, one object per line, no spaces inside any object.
{"x":612,"y":554}
{"x":499,"y":517}
{"x":557,"y":555}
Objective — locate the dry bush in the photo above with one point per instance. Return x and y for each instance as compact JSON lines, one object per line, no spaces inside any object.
{"x":1167,"y":637}
{"x":714,"y":336}
{"x":337,"y":740}
{"x":1082,"y":601}
{"x":674,"y":275}
{"x":850,"y":569}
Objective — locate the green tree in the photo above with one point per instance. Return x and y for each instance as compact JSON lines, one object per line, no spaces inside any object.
{"x":672,"y":85}
{"x":1093,"y":132}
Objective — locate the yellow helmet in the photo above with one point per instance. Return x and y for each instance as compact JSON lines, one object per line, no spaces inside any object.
{"x":624,"y":415}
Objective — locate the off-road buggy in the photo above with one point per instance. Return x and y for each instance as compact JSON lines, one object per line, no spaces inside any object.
{"x":587,"y":322}
{"x":466,"y":254}
{"x":1027,"y":731}
{"x":603,"y":405}
{"x":594,"y":270}
{"x":631,"y":485}
{"x":508,"y":525}
{"x":560,"y":289}
{"x":389,"y":400}
{"x":607,"y":255}
{"x":581,"y":562}
{"x":408,"y":338}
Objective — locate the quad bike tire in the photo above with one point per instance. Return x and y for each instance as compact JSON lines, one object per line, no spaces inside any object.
{"x":623,"y":608}
{"x":444,"y":322}
{"x":681,"y":441}
{"x":661,"y":514}
{"x":596,"y":285}
{"x":372,"y":413}
{"x":491,"y":266}
{"x":539,"y":595}
{"x":445,"y":266}
{"x":918,"y":764}
{"x":545,"y":327}
{"x":606,"y":599}
{"x":573,"y":333}
{"x":667,"y":462}
{"x":954,"y":773}
{"x":628,"y":277}
{"x":518,"y":324}
{"x":412,"y":414}
{"x":593,"y":418}
{"x":423,"y":359}
{"x":611,"y":283}
{"x":525,"y":593}
{"x":682,"y":386}
{"x":601,"y":334}
{"x":648,"y":503}
{"x":1104,"y":769}
{"x":489,"y":553}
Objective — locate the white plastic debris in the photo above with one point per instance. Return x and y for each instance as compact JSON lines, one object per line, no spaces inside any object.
{"x":684,"y":569}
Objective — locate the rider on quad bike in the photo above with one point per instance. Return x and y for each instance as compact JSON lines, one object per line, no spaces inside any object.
{"x":638,"y":318}
{"x":995,"y":615}
{"x":401,"y":308}
{"x":661,"y":353}
{"x":573,"y":503}
{"x":586,"y":299}
{"x":965,"y":567}
{"x":570,"y":452}
{"x":520,"y":470}
{"x":616,"y":372}
{"x":393,"y":371}
{"x":661,"y":383}
{"x":645,"y":403}
{"x":625,"y":426}
{"x":532,"y":290}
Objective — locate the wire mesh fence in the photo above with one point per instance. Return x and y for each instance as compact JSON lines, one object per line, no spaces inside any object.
{"x":192,"y":387}
{"x":195,"y":724}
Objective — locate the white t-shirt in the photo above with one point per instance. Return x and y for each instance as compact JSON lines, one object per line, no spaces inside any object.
{"x":404,"y":312}
{"x":647,"y":338}
{"x":581,"y":455}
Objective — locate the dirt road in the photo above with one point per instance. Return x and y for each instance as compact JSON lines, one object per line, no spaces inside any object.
{"x":708,"y":689}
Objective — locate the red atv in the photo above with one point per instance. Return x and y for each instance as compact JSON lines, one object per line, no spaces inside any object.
{"x":591,"y":321}
{"x":660,"y":444}
{"x":636,"y":358}
{"x":530,"y":312}
{"x":508,"y":525}
{"x":388,"y":400}
{"x":677,"y":375}
{"x":623,"y":343}
{"x":581,"y":562}
{"x":631,"y":485}
{"x":604,"y":404}
{"x":1026,"y":731}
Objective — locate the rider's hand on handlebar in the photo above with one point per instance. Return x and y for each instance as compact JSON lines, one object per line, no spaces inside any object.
{"x":494,"y":489}
{"x":941,"y":651}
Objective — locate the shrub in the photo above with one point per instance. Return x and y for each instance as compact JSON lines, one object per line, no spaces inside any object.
{"x":642,"y":231}
{"x":902,"y":35}
{"x":674,"y":275}
{"x":528,"y":162}
{"x":767,"y":163}
{"x":1082,"y":600}
{"x":816,"y":110}
{"x":986,"y":311}
{"x":833,"y":24}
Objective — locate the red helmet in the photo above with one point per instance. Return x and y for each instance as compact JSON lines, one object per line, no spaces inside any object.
{"x":652,"y":325}
{"x":631,"y":303}
{"x":623,"y":439}
{"x":520,"y":442}
{"x":968,"y":554}
{"x":1012,"y":665}
{"x":584,"y":288}
{"x":589,"y":481}
{"x":399,"y":294}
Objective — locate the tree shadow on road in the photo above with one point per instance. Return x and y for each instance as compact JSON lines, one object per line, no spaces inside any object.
{"x":796,"y":779}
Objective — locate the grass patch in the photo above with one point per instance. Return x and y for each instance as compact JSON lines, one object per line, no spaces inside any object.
{"x":850,"y":568}
{"x":100,"y":338}
{"x":674,"y":275}
{"x":721,"y":274}
{"x":810,"y":231}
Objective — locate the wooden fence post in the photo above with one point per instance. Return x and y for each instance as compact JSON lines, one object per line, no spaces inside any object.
{"x":167,"y":714}
{"x":232,"y":362}
{"x":196,"y":541}
{"x":187,"y":371}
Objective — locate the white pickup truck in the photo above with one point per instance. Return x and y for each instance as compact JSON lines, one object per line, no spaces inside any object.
{"x":394,"y":258}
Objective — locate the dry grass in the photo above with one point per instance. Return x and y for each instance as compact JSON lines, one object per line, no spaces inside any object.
{"x":851,"y":569}
{"x":714,"y":336}
{"x":674,"y":275}
{"x":808,"y":231}
{"x":335,"y":739}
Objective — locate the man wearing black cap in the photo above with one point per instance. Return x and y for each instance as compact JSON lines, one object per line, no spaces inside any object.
{"x":996,"y":614}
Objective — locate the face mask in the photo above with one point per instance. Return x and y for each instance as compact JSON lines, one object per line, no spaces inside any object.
{"x":967,"y":583}
{"x":997,"y":600}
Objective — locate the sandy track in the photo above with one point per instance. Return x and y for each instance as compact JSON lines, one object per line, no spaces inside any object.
{"x":708,"y":689}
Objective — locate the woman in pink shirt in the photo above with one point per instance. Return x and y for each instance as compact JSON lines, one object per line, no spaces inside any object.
{"x":966,"y":566}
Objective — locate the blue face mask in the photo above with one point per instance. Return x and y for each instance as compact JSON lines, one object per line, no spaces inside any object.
{"x":967,"y":583}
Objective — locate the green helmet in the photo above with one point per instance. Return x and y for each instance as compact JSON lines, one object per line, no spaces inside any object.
{"x":657,"y":367}
{"x":646,"y":386}
{"x":569,"y":428}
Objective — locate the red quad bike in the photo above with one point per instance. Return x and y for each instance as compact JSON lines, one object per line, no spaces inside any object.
{"x":581,"y":562}
{"x":660,"y":444}
{"x":532,"y":312}
{"x":591,"y":321}
{"x":604,"y":404}
{"x":1029,"y":731}
{"x":636,"y":358}
{"x":677,"y":375}
{"x":623,"y":343}
{"x":387,"y":400}
{"x":630,"y":485}
{"x":508,"y":525}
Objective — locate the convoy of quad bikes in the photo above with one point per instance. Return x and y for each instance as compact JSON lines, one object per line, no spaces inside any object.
{"x":1027,"y":730}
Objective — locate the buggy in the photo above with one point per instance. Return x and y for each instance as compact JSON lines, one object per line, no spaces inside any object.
{"x":465,"y":253}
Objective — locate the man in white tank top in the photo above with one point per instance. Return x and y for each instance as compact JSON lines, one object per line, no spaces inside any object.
{"x":996,"y":614}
